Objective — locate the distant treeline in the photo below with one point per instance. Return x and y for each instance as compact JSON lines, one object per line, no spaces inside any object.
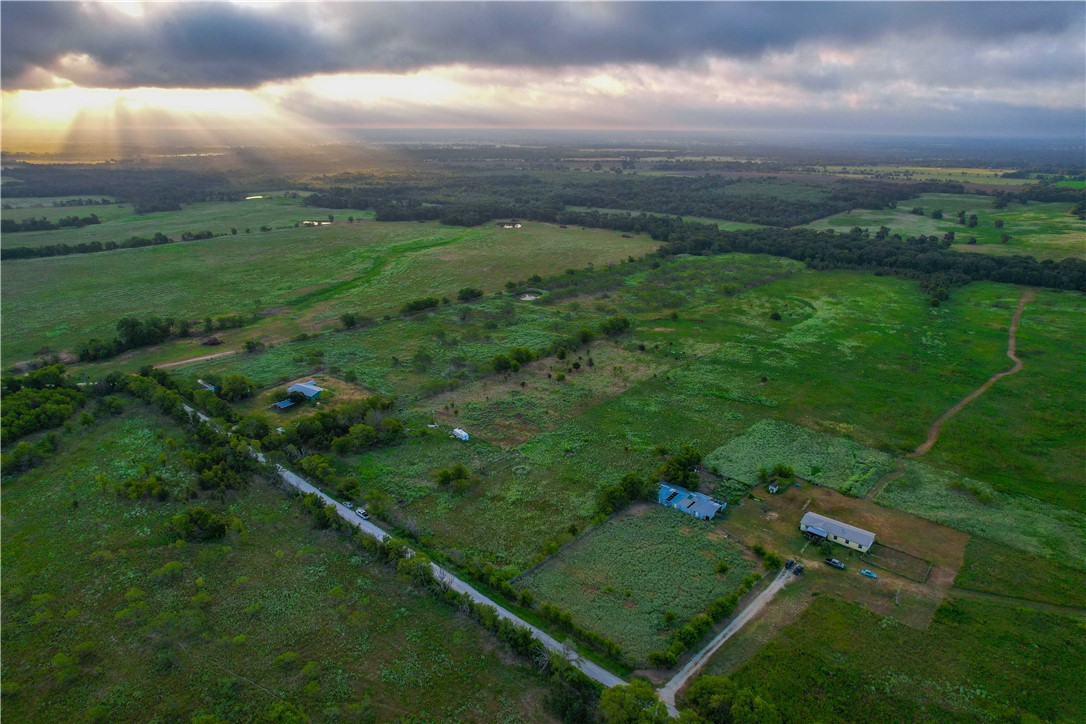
{"x":477,"y":200}
{"x":927,"y":259}
{"x":1043,"y":192}
{"x":64,"y":203}
{"x":147,"y":189}
{"x":93,"y":247}
{"x":133,"y":333}
{"x":10,"y":226}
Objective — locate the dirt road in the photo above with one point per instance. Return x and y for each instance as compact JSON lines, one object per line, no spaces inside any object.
{"x":191,"y":360}
{"x":674,"y":686}
{"x":1012,"y":341}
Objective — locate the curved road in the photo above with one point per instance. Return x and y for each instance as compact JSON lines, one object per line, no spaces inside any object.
{"x":590,"y":669}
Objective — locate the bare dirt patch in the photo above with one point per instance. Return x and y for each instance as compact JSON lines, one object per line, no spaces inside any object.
{"x":774,"y":522}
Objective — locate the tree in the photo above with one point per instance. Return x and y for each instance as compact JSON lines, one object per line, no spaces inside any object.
{"x":235,"y":387}
{"x":348,"y":319}
{"x":635,"y":703}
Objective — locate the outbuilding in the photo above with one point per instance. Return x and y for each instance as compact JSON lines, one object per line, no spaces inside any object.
{"x":309,"y":389}
{"x":460,"y":434}
{"x":696,"y":504}
{"x":835,"y":531}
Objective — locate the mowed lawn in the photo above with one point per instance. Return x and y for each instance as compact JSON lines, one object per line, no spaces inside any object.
{"x":367,"y":267}
{"x":641,"y":575}
{"x":1042,"y":230}
{"x":280,"y":612}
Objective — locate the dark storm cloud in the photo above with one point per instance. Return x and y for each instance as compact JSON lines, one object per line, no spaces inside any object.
{"x":217,"y":45}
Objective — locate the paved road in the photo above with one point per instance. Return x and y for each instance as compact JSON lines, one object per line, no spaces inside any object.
{"x":671,"y":689}
{"x":591,"y":669}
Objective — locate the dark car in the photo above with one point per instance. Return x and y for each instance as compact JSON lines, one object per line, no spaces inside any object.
{"x":797,"y":570}
{"x":835,"y":563}
{"x":789,"y":563}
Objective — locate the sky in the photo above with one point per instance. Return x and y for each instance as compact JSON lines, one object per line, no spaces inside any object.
{"x":115,"y":71}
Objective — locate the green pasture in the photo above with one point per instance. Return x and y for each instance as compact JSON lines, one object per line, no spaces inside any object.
{"x":121,"y":222}
{"x":824,"y":459}
{"x":369,"y":268}
{"x":928,"y":173}
{"x":977,"y":661}
{"x":1042,"y":230}
{"x":641,"y":575}
{"x":721,"y":224}
{"x":1014,"y":520}
{"x":996,"y":568}
{"x":1025,"y":434}
{"x":278,"y":613}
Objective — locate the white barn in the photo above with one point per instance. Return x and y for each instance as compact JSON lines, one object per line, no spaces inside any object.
{"x":833,"y":530}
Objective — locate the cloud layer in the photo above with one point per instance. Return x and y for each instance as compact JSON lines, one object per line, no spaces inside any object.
{"x":705,"y":62}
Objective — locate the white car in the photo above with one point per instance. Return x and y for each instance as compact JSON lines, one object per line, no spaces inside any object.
{"x":349,"y":504}
{"x":363,"y":514}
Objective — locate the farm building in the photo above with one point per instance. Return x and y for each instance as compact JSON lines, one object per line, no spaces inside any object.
{"x":832,"y":530}
{"x":460,"y":434}
{"x":309,"y":389}
{"x":695,"y":504}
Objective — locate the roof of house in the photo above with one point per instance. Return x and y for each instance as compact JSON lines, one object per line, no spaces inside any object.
{"x":284,"y":404}
{"x":309,"y":389}
{"x":837,"y":528}
{"x":700,"y":505}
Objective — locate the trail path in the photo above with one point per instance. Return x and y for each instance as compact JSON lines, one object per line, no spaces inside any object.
{"x":1012,"y":340}
{"x":193,"y":360}
{"x":590,"y":668}
{"x":886,"y":480}
{"x":674,"y":686}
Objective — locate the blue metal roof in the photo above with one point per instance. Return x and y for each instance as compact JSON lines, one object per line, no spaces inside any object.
{"x":309,"y":389}
{"x":695,"y":504}
{"x":284,"y":404}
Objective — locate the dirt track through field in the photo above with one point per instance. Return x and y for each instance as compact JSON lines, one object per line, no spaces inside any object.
{"x":193,"y":360}
{"x":1019,"y":602}
{"x":1012,"y":341}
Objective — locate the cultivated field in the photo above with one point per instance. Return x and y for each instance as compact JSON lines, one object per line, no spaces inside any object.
{"x":641,"y":575}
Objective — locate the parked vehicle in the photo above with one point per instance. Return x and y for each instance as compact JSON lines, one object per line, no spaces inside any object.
{"x":361,"y":513}
{"x":868,"y":573}
{"x":348,"y":504}
{"x":797,"y":570}
{"x":835,"y":563}
{"x":789,"y":563}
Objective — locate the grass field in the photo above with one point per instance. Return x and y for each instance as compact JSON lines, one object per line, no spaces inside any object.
{"x":1019,"y":521}
{"x":817,"y":457}
{"x":1043,"y":230}
{"x":1025,"y":435}
{"x":316,"y":273}
{"x":977,"y":661}
{"x":280,"y":612}
{"x":120,"y":222}
{"x":721,"y":224}
{"x":996,"y":568}
{"x":623,"y":578}
{"x":929,"y":173}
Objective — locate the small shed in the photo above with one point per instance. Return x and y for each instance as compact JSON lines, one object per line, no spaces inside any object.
{"x":284,"y":404}
{"x":309,"y":389}
{"x":837,"y":532}
{"x":773,"y":488}
{"x":460,"y":434}
{"x":696,"y":504}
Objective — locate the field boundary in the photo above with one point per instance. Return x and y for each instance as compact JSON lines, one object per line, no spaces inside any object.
{"x":874,"y":560}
